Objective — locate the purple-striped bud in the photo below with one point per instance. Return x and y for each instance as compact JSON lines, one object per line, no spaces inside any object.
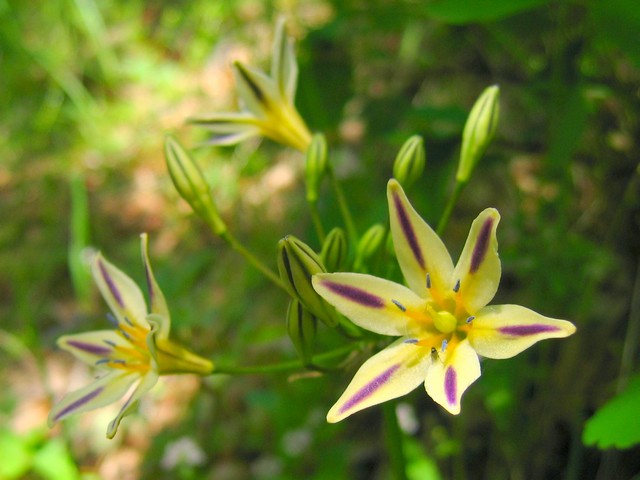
{"x":315,"y":166}
{"x":410,"y":161}
{"x":301,"y":327}
{"x":334,"y":250}
{"x":369,"y":244}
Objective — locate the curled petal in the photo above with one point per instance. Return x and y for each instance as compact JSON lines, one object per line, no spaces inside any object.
{"x":156,"y":297}
{"x":451,"y":374}
{"x":146,"y":383}
{"x":418,"y":248}
{"x":256,"y":90}
{"x":90,"y":347}
{"x":502,"y":331}
{"x":395,"y":371}
{"x":284,"y":67}
{"x":102,"y":392}
{"x":120,"y":292}
{"x":372,"y":303}
{"x":478,"y":269}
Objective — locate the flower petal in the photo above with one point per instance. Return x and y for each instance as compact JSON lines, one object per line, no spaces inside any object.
{"x":478,"y":268}
{"x":284,"y":67}
{"x":391,"y":373}
{"x":146,"y":383}
{"x":120,"y":292}
{"x":502,"y":331}
{"x":90,"y":347}
{"x":256,"y":90}
{"x":102,"y":392}
{"x":451,"y":374}
{"x":156,"y":297}
{"x":372,"y":303}
{"x":418,"y":248}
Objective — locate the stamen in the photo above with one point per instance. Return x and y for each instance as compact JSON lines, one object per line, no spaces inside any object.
{"x":456,"y":288}
{"x":411,"y":340}
{"x":102,"y":361}
{"x":110,"y":343}
{"x":131,"y":323}
{"x":113,"y":320}
{"x":124,"y":334}
{"x":119,"y":361}
{"x":399,"y":305}
{"x":470,"y":319}
{"x":444,"y":345}
{"x":428,"y":280}
{"x":434,"y":354}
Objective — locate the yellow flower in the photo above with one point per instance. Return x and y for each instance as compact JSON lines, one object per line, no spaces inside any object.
{"x":442,"y":319}
{"x":269,"y":108}
{"x":138,"y":350}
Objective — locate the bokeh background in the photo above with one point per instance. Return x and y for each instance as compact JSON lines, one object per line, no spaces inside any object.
{"x":88,"y":88}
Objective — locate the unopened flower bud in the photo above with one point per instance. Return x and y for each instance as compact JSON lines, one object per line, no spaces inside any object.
{"x":191,"y":185}
{"x":315,"y":166}
{"x":297,"y":263}
{"x":410,"y":161}
{"x":301,"y":327}
{"x":334,"y":250}
{"x":369,"y":244}
{"x":478,"y":131}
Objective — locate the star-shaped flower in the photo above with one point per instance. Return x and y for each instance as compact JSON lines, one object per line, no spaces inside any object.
{"x":269,"y":108}
{"x":138,"y":350}
{"x":442,"y":319}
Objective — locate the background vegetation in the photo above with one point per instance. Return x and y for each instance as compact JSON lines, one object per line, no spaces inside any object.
{"x":87,"y":90}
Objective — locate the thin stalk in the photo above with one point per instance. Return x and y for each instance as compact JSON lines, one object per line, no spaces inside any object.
{"x":289,"y":366}
{"x":630,"y":346}
{"x":394,"y":441}
{"x":344,"y":207}
{"x":446,"y":215}
{"x":317,"y":222}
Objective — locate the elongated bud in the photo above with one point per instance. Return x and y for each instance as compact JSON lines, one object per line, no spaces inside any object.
{"x":410,"y":161}
{"x":478,"y":131}
{"x":334,"y":250}
{"x":191,"y":185}
{"x":369,"y":244}
{"x":301,"y":327}
{"x":315,"y":166}
{"x":297,"y":262}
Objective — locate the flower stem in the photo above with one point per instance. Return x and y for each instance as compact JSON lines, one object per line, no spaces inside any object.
{"x":344,"y":207}
{"x":393,"y":441}
{"x":317,"y":222}
{"x":286,"y":366}
{"x":444,"y":220}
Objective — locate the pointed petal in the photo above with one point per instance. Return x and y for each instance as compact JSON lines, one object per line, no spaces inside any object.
{"x":90,"y":347}
{"x":120,"y":292}
{"x":368,"y":301}
{"x":147,"y":382}
{"x":502,"y":331}
{"x":478,"y":269}
{"x":451,"y":374}
{"x":256,"y":90}
{"x":232,"y":138}
{"x":391,"y":373}
{"x":156,"y":297}
{"x":284,"y":67}
{"x":103,"y":391}
{"x":418,"y":248}
{"x":225,"y":122}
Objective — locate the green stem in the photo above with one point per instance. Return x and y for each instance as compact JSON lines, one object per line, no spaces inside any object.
{"x":394,"y":441}
{"x":317,"y":222}
{"x":444,"y":220}
{"x":286,"y":366}
{"x":344,"y":207}
{"x":252,"y":259}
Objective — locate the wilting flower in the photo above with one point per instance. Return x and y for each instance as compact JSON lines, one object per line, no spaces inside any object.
{"x":442,"y":319}
{"x":269,"y":108}
{"x":137,"y":350}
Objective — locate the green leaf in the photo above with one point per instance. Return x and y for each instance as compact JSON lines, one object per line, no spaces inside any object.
{"x":15,"y":448}
{"x":53,"y":462}
{"x":617,"y":423}
{"x":463,"y":11}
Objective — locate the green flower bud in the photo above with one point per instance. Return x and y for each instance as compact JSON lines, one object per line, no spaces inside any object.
{"x":301,"y":327}
{"x":191,"y":185}
{"x":315,"y":166}
{"x":369,"y":244}
{"x":297,"y":263}
{"x":478,"y":131}
{"x":410,"y":161}
{"x":334,"y":250}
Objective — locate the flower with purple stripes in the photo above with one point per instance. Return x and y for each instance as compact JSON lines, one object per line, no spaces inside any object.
{"x":137,"y":351}
{"x":442,"y":317}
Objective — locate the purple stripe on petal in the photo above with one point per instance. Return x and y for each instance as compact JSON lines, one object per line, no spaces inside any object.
{"x":355,"y":294}
{"x":451,"y":385}
{"x":110,"y":283}
{"x":524,"y":330}
{"x":78,"y":403}
{"x":408,"y":231}
{"x":89,"y":347}
{"x":369,"y":388}
{"x":482,"y":245}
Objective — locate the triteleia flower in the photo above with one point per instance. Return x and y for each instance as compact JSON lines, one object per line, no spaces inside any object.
{"x":137,"y":351}
{"x":442,"y":318}
{"x":269,"y":108}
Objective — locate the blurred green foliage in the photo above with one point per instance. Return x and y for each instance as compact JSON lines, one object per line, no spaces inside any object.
{"x":88,"y":90}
